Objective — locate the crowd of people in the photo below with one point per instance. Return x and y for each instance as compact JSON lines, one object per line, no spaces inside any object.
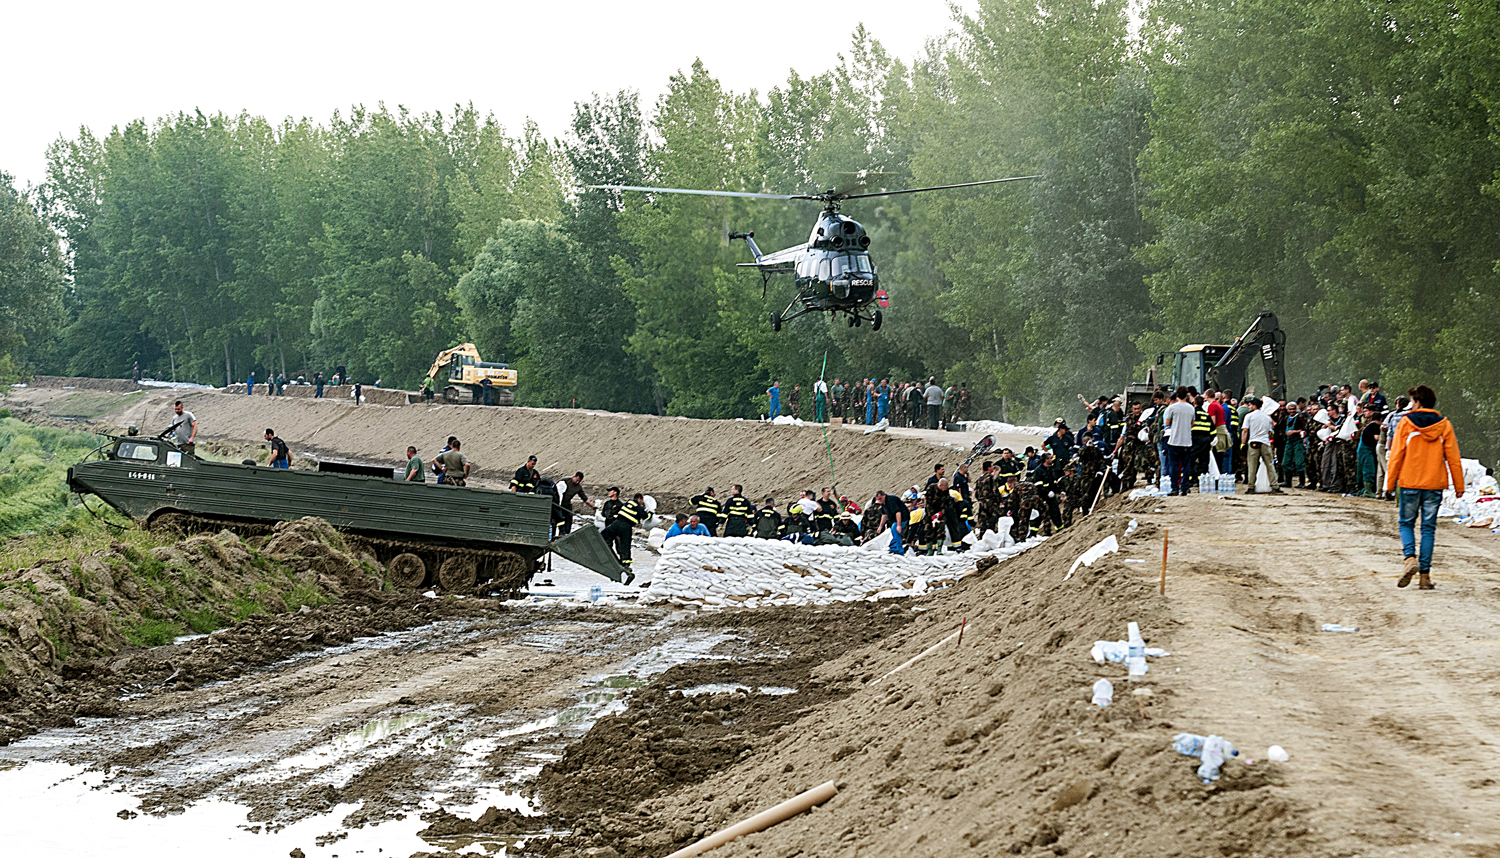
{"x":869,"y":401}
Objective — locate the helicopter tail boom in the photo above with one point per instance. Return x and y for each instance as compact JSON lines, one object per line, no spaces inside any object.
{"x":749,"y":238}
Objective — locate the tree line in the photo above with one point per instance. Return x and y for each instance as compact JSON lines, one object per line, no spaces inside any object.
{"x":1330,"y":160}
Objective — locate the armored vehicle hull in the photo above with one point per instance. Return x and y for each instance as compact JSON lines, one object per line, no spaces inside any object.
{"x":426,"y":534}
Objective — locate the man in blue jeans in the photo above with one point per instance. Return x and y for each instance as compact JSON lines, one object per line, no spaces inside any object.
{"x":1177,"y":432}
{"x":1424,"y":459}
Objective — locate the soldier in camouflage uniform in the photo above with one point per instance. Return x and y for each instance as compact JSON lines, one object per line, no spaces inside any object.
{"x":1131,"y":450}
{"x":1028,"y":502}
{"x":987,"y":500}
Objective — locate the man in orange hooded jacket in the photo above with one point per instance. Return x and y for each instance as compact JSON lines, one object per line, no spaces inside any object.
{"x":1423,"y":458}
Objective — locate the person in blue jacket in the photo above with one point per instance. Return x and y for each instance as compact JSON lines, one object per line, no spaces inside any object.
{"x":686,"y":525}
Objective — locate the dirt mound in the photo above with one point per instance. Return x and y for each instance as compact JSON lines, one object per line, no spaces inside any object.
{"x":113,"y":385}
{"x":672,"y":457}
{"x":313,"y":545}
{"x":990,"y":746}
{"x":65,"y":621}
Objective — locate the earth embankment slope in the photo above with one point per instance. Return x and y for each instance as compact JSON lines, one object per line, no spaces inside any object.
{"x":992,"y":747}
{"x":673,"y":455}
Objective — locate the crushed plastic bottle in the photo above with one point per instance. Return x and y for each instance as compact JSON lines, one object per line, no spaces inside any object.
{"x":1166,"y":484}
{"x":1131,"y":527}
{"x":595,"y":592}
{"x":1104,"y":693}
{"x":1213,"y":750}
{"x":1277,"y":754}
{"x":1335,"y":627}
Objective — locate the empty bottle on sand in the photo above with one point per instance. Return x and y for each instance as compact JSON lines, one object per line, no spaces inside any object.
{"x":1104,"y":692}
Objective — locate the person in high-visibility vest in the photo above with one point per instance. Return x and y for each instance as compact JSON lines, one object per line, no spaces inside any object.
{"x":526,"y":478}
{"x":738,"y":512}
{"x":709,"y":509}
{"x":620,"y":520}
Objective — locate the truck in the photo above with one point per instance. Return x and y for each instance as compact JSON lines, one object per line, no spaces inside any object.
{"x":426,"y":534}
{"x":467,"y":380}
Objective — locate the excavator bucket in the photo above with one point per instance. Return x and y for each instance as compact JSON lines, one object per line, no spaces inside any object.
{"x":586,"y":547}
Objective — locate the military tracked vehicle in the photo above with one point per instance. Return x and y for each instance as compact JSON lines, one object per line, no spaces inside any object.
{"x":426,"y":534}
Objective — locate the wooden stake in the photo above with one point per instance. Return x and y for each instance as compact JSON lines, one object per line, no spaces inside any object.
{"x":961,"y":631}
{"x":1164,"y":535}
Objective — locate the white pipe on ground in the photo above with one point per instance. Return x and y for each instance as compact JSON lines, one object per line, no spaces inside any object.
{"x":763,"y":820}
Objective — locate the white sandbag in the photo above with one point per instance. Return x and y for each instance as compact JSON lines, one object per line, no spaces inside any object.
{"x":655,"y":538}
{"x":1107,"y":545}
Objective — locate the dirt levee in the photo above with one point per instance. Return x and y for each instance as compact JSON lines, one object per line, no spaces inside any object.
{"x":672,"y":455}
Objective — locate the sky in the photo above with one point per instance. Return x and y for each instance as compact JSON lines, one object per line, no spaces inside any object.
{"x":102,"y":64}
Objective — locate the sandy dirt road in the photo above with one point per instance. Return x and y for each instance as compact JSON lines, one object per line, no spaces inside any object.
{"x":1394,"y":730}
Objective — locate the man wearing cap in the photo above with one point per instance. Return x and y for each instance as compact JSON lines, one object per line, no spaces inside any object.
{"x":1060,"y":442}
{"x":572,"y":488}
{"x":526,"y":478}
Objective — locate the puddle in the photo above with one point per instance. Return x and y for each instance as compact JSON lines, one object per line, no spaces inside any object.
{"x":222,"y":769}
{"x":720,"y":687}
{"x":72,"y":811}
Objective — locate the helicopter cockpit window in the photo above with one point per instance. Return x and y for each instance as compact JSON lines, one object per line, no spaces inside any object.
{"x":864,"y":265}
{"x":823,"y":270}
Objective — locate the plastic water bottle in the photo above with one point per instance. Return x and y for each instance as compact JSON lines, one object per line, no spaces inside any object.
{"x":1226,"y":484}
{"x":1204,"y":482}
{"x":1104,"y":692}
{"x":595,"y":592}
{"x":1135,"y":653}
{"x":1189,"y":744}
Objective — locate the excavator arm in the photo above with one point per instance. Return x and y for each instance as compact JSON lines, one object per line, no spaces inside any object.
{"x":1266,"y":337}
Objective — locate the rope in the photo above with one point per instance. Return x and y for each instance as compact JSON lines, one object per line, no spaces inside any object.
{"x":827,"y":413}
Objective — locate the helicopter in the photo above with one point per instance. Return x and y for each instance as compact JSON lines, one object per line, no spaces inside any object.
{"x":833,"y":271}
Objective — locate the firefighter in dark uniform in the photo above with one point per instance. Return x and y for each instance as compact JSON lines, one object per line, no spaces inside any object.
{"x":526,"y":479}
{"x":828,"y":511}
{"x":966,"y":503}
{"x":738,"y":513}
{"x":1009,"y":466}
{"x":708,"y":508}
{"x":620,"y":520}
{"x":767,"y":521}
{"x":572,"y":488}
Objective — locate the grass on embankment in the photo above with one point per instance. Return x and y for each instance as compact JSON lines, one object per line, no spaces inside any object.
{"x":34,"y":464}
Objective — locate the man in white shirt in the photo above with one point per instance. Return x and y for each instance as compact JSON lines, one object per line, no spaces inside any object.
{"x":1177,"y":431}
{"x":1255,"y":434}
{"x":934,"y":397}
{"x":820,"y":400}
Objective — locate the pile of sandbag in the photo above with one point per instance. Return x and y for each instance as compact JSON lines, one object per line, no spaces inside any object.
{"x":1476,"y":485}
{"x":747,"y":572}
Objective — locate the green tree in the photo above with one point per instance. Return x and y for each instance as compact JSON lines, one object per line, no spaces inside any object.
{"x":32,"y":280}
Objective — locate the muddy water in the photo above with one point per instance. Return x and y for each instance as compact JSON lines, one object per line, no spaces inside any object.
{"x":341,"y":752}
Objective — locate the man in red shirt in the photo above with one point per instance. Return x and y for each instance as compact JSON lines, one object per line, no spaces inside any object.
{"x":1218,"y":414}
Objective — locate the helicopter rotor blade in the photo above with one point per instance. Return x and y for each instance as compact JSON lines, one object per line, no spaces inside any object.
{"x":936,"y":188}
{"x":704,"y":193}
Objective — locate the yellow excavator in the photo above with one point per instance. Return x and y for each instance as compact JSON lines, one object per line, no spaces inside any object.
{"x":466,"y":380}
